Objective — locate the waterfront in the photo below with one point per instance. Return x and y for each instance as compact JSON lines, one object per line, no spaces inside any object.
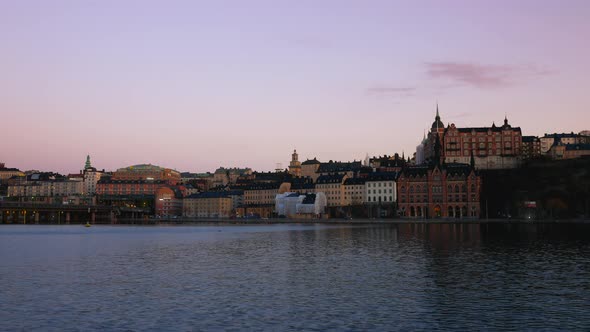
{"x":296,"y":277}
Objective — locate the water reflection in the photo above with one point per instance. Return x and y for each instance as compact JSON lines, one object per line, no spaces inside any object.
{"x":297,"y":277}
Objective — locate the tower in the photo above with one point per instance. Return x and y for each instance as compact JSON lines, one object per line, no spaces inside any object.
{"x":87,"y":165}
{"x":295,"y":164}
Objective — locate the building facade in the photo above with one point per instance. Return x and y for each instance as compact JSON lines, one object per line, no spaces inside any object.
{"x":354,"y":191}
{"x":208,"y":205}
{"x":309,"y":168}
{"x":380,"y":188}
{"x":494,"y":147}
{"x":531,"y":147}
{"x":548,"y":140}
{"x":333,"y":187}
{"x":147,"y":172}
{"x":435,"y":191}
{"x":7,"y":173}
{"x":46,"y":187}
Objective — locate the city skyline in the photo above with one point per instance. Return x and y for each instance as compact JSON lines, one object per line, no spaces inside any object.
{"x":195,"y":86}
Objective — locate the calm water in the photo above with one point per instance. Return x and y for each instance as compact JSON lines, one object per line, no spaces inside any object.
{"x":295,"y":277}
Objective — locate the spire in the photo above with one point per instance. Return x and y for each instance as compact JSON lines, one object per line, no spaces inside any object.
{"x":87,"y":165}
{"x":437,"y":124}
{"x":505,"y":119}
{"x":437,"y":116}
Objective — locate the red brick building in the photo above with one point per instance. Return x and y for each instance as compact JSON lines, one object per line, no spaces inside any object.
{"x":435,"y":191}
{"x":492,"y":147}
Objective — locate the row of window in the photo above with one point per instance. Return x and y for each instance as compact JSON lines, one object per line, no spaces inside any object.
{"x":378,"y":184}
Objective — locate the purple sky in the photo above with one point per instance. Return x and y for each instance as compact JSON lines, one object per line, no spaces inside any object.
{"x":194,"y":85}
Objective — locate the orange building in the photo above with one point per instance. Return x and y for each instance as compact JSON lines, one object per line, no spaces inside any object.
{"x":147,"y":172}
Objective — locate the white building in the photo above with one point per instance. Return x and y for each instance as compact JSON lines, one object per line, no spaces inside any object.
{"x":40,"y":185}
{"x":91,"y":177}
{"x":381,"y":188}
{"x":294,"y":205}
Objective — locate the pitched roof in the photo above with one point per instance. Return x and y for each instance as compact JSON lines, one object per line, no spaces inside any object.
{"x":311,"y":162}
{"x":331,"y":178}
{"x":354,"y":181}
{"x":382,"y":176}
{"x":332,"y":167}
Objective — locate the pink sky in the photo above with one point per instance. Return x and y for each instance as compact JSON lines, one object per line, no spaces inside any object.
{"x":195,"y":85}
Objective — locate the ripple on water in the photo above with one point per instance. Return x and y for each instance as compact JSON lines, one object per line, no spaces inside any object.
{"x":317,"y":278}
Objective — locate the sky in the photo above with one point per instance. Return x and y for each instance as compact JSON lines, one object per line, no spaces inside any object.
{"x":195,"y":85}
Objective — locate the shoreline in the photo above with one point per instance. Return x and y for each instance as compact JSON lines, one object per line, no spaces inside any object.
{"x":285,"y":221}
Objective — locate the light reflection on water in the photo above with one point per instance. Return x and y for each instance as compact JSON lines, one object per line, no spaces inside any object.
{"x":295,"y":277}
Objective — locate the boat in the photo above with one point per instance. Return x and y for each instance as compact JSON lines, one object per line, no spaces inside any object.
{"x":87,"y":224}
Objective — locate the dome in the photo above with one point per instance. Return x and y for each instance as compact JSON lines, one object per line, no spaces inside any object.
{"x":437,"y":123}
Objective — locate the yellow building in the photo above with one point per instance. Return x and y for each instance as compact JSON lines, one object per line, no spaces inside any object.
{"x":309,"y":168}
{"x":208,"y":205}
{"x":149,"y":172}
{"x":354,"y":191}
{"x":7,"y":173}
{"x":333,"y":187}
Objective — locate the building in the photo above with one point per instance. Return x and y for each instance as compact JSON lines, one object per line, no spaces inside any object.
{"x":286,"y":204}
{"x":439,"y":190}
{"x":200,"y":181}
{"x":333,"y":187}
{"x":109,"y":186}
{"x":90,"y":176}
{"x":147,"y":172}
{"x":548,"y":140}
{"x":224,"y":176}
{"x":419,"y":156}
{"x":380,"y":188}
{"x":568,"y":151}
{"x":168,"y":201}
{"x":354,"y":191}
{"x":295,"y":165}
{"x":309,"y":168}
{"x":212,"y":204}
{"x":531,"y":147}
{"x":350,"y":169}
{"x":300,"y":206}
{"x":386,"y":163}
{"x":7,"y":173}
{"x":259,"y":198}
{"x":44,"y":187}
{"x":492,"y":147}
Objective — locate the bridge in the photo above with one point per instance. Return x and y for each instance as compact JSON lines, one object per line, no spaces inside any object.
{"x":42,"y":213}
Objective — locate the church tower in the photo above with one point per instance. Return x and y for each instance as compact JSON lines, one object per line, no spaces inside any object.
{"x":435,"y":136}
{"x":87,"y":165}
{"x":295,"y":164}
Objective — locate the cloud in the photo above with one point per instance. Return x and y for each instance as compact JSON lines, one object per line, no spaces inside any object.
{"x":385,"y":91}
{"x":482,"y":76}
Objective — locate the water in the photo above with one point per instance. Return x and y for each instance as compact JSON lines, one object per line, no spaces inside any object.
{"x":295,"y":277}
